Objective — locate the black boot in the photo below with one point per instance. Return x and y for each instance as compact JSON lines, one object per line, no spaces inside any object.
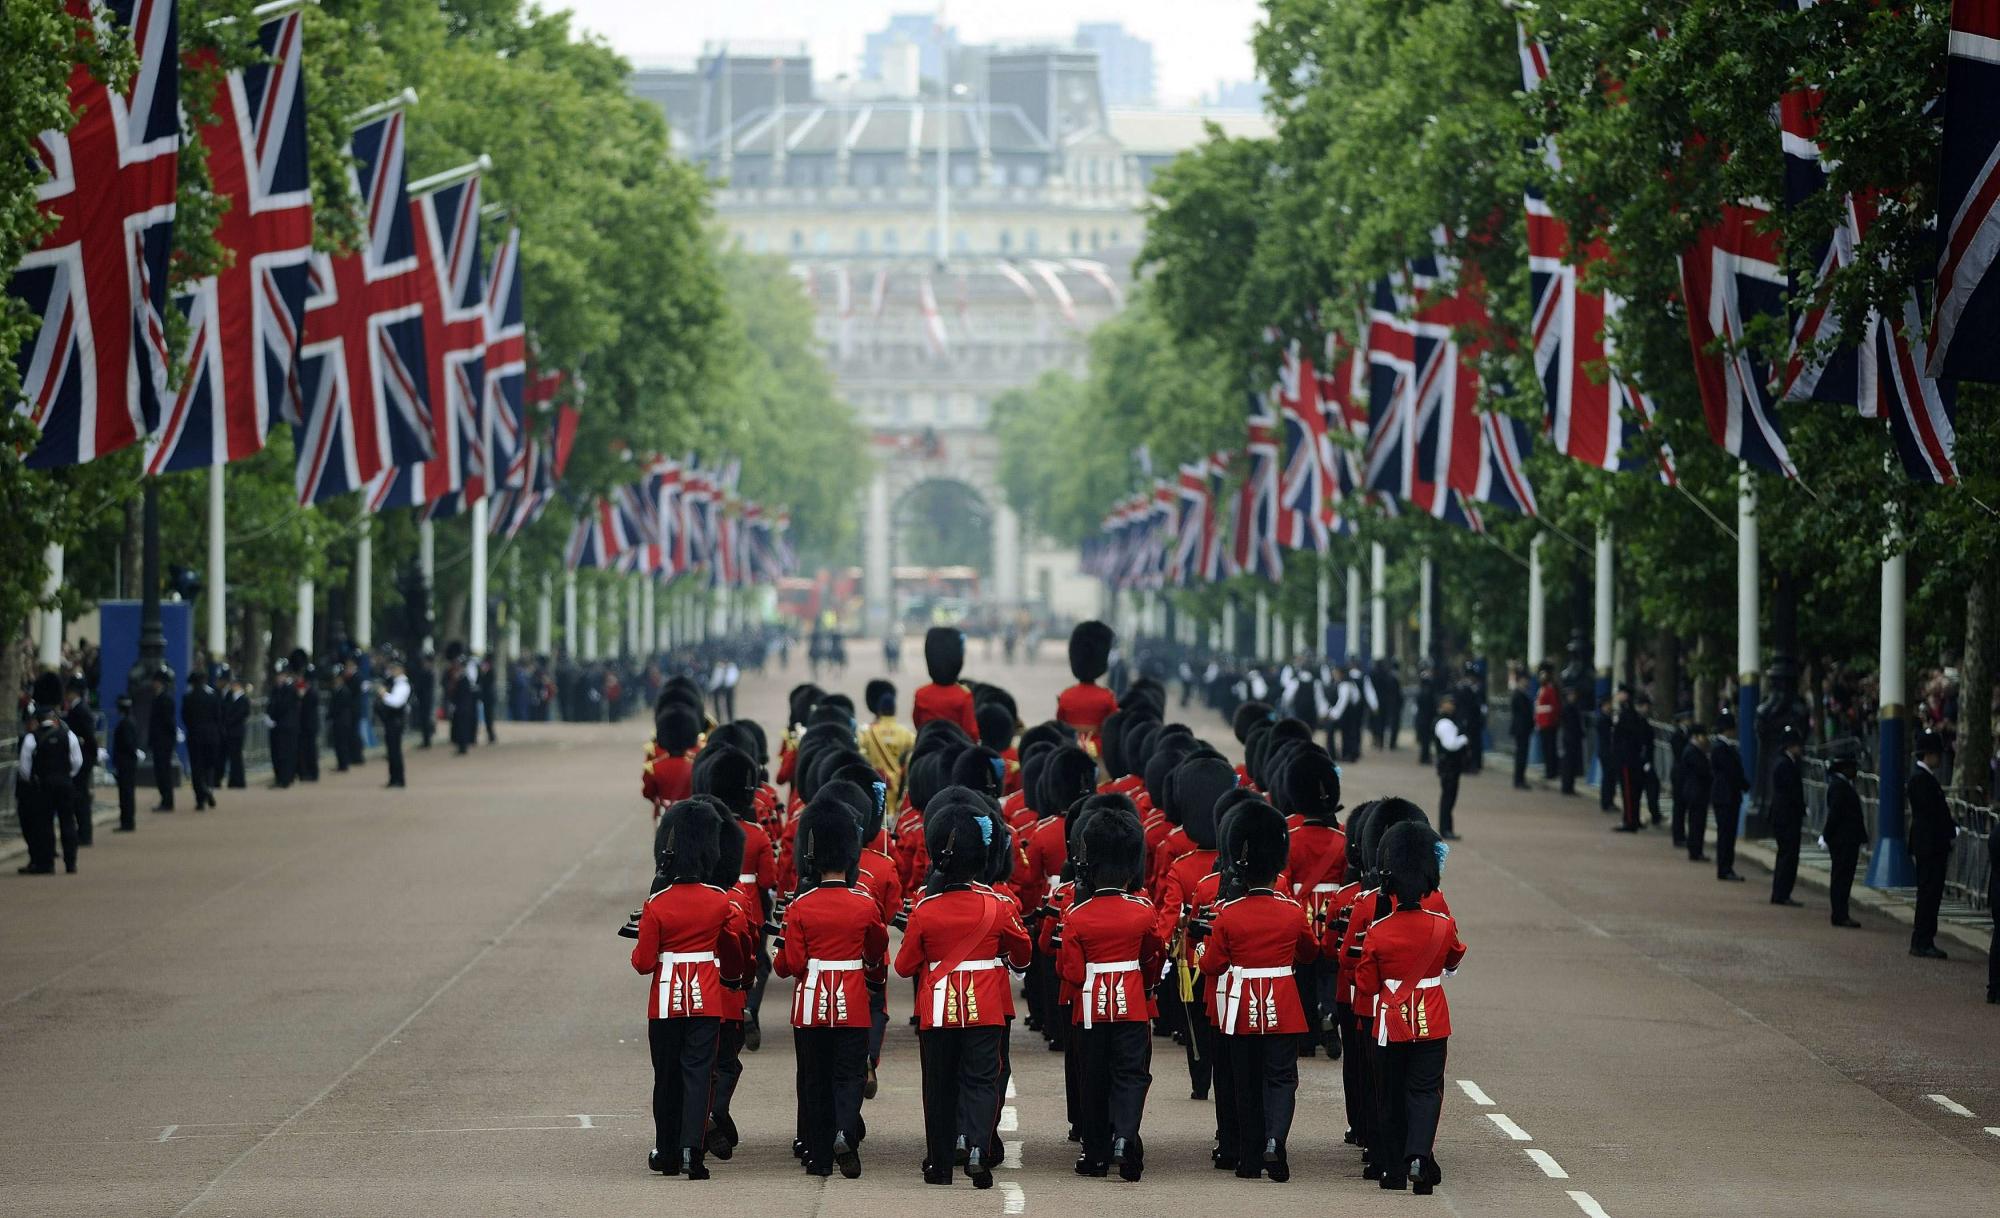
{"x":691,"y":1165}
{"x":1275,"y":1165}
{"x":978,"y":1170}
{"x":848,"y":1159}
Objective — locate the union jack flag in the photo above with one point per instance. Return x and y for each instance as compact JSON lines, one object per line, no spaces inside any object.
{"x":1258,"y":504}
{"x":245,"y":323}
{"x":506,"y":365}
{"x":1215,"y":556}
{"x":454,"y":296}
{"x":1880,"y":371}
{"x":1308,"y":483}
{"x":601,"y":535}
{"x":94,"y":376}
{"x":517,"y":507}
{"x":1733,"y":274}
{"x":697,"y":538}
{"x":1967,"y":313}
{"x":364,"y":401}
{"x":639,"y":510}
{"x":1194,"y":524}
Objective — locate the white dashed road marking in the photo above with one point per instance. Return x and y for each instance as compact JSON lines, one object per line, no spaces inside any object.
{"x":1473,"y":1093}
{"x":1012,"y":1199}
{"x":1508,"y":1127}
{"x":1011,"y":1093}
{"x":1012,"y":1157}
{"x":1994,"y":1130}
{"x":583,"y":1120}
{"x":1588,"y":1204}
{"x":1010,"y":1121}
{"x":1950,"y":1105}
{"x":168,"y":1132}
{"x":1547,"y":1162}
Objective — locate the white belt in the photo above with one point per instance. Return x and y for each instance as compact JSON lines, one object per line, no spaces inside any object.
{"x":1231,"y":993}
{"x":748,"y":877}
{"x":670,"y":979}
{"x":937,"y":988}
{"x":1091,"y":972}
{"x":1382,"y":1010}
{"x":1328,"y":887}
{"x":814,"y":970}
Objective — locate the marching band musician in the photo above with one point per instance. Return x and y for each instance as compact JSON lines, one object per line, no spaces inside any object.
{"x":1085,"y":705}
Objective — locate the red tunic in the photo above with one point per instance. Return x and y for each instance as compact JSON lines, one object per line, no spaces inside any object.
{"x":1402,"y":973}
{"x":1047,"y":850}
{"x":953,"y":702}
{"x":668,"y":778}
{"x":1172,"y":846}
{"x":1011,"y":779}
{"x":733,"y":1001}
{"x":879,"y":877}
{"x":1045,"y":938}
{"x":1183,"y":876}
{"x":760,"y":863}
{"x":957,"y":946}
{"x":1257,"y":942}
{"x":1318,"y":860}
{"x":1112,"y":946}
{"x":912,"y":852}
{"x":1085,"y":707}
{"x":834,"y":938}
{"x":1368,"y":906}
{"x":690,"y":937}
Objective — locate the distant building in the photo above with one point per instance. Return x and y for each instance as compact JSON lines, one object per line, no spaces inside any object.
{"x":1125,"y":62}
{"x":1235,"y":95}
{"x":882,"y":56}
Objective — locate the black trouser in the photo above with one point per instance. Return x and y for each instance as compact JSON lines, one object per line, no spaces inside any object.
{"x":683,"y":1066}
{"x":1725,"y":839}
{"x":1521,"y":760}
{"x":1395,"y":724}
{"x":1631,"y":782}
{"x":1608,"y":776}
{"x":1549,"y":770}
{"x":308,"y":755}
{"x":1475,"y":753}
{"x":1447,"y":797}
{"x":728,"y":1073}
{"x":1222,"y":1072}
{"x":1350,"y":737}
{"x":878,"y":1021}
{"x":1072,"y":1044}
{"x":41,"y":810}
{"x":201,"y":765}
{"x":427,"y":724}
{"x":128,"y":803}
{"x":1354,"y":1074}
{"x":82,"y":804}
{"x":1785,"y":832}
{"x":284,"y":757}
{"x":392,"y":749}
{"x":832,"y":1063}
{"x":1201,"y":1049}
{"x":1845,"y":860}
{"x":1572,"y":766}
{"x":1930,"y":895}
{"x":754,"y":1001}
{"x":1116,"y":1060}
{"x":235,"y":766}
{"x":163,"y":774}
{"x":1412,"y":1086}
{"x":1649,"y":779}
{"x":1309,"y":999}
{"x":1267,"y":1090}
{"x":1693,"y":822}
{"x":1426,"y":731}
{"x":961,"y":1090}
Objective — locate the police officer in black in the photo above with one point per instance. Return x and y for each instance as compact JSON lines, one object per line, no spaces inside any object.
{"x":1788,"y":815}
{"x":423,"y":698}
{"x":48,"y":762}
{"x":1844,"y":834}
{"x":1694,"y":780}
{"x":343,"y":714}
{"x":163,"y":738}
{"x":310,"y":723}
{"x":1728,"y":782}
{"x":125,"y":765}
{"x":1572,"y":739}
{"x":201,"y":711}
{"x":82,"y":721}
{"x":281,"y":713}
{"x":1931,"y":832}
{"x":235,"y":729}
{"x":392,"y":704}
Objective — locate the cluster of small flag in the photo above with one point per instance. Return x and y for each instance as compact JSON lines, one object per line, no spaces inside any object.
{"x":684,"y":519}
{"x":1405,"y":396}
{"x":405,"y":368}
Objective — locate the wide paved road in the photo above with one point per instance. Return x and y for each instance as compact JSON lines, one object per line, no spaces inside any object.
{"x":346,"y":1001}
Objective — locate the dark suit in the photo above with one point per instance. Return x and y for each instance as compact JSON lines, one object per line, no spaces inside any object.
{"x":83,"y":721}
{"x":1726,"y":789}
{"x":1632,"y":745}
{"x":1523,"y":709}
{"x":161,"y":742}
{"x":1788,"y":821}
{"x":201,"y":713}
{"x":235,"y":729}
{"x":1572,"y":747}
{"x":1693,"y":780}
{"x":1931,"y":832}
{"x":1846,"y":832}
{"x":309,"y":729}
{"x":283,"y":712}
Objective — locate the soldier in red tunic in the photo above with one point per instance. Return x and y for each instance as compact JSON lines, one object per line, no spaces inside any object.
{"x":1402,"y":971}
{"x":1353,"y":1062}
{"x":944,"y":698}
{"x":833,"y":939}
{"x":1255,"y":943}
{"x":668,"y":776}
{"x":1196,"y":784}
{"x":959,"y":943}
{"x":1308,"y":790}
{"x":730,"y":775}
{"x":1112,"y":945}
{"x":875,"y":872}
{"x":1085,"y":705}
{"x":691,"y":938}
{"x":1067,"y":777}
{"x":722,"y":1137}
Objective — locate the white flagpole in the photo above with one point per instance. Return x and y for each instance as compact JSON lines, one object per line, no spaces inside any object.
{"x":217,"y":582}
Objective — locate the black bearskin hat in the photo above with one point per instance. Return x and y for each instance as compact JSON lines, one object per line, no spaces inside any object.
{"x":736,"y":735}
{"x":1111,"y":744}
{"x":48,"y":691}
{"x":1000,"y":854}
{"x":1111,"y":847}
{"x":1144,"y":691}
{"x":1033,"y":762}
{"x":830,"y":714}
{"x":729,"y":843}
{"x":1388,"y":814}
{"x":759,"y":746}
{"x":801,"y":701}
{"x":857,"y":800}
{"x":687,"y":841}
{"x":1248,"y":713}
{"x":828,"y":839}
{"x":841,"y":701}
{"x":958,"y":843}
{"x":298,"y":661}
{"x":825,"y":764}
{"x":944,"y":654}
{"x":1136,"y":744}
{"x":1070,"y":775}
{"x":1270,"y":779}
{"x":1168,"y":752}
{"x":1410,"y":862}
{"x":729,"y":774}
{"x":1090,"y":650}
{"x":1257,"y":845}
{"x":1311,"y":786}
{"x":677,"y":729}
{"x":928,"y":775}
{"x":880,"y":696}
{"x":1197,"y":784}
{"x":1357,"y":826}
{"x":937,"y":734}
{"x":996,"y":726}
{"x":1046,"y":732}
{"x":980,"y":769}
{"x":997,"y":695}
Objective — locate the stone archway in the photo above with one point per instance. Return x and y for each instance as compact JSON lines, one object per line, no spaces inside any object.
{"x":957,"y":471}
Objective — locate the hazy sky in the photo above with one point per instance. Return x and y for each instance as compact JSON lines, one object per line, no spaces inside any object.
{"x":1195,"y":42}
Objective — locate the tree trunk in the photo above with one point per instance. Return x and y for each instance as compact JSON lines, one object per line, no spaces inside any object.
{"x":1704,"y":681}
{"x":283,"y":629}
{"x":10,"y":658}
{"x":250,"y":649}
{"x":1975,"y":693}
{"x":128,"y":551}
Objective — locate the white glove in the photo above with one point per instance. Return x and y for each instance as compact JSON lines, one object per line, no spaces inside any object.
{"x":1822,"y":841}
{"x":180,"y":737}
{"x":104,"y":757}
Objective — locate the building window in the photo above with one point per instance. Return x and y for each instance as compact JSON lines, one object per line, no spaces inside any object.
{"x":1114,"y":238}
{"x":798,"y":241}
{"x":823,"y":243}
{"x":1096,"y":240}
{"x":860,"y":240}
{"x":1033,"y":239}
{"x":1075,"y":240}
{"x":1006,"y":241}
{"x":1028,"y":175}
{"x":888,"y":240}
